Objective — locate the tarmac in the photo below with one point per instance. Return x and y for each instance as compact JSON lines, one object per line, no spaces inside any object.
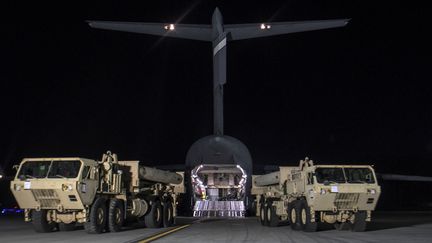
{"x":386,"y":227}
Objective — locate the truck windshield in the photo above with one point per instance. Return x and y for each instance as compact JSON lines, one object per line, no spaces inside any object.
{"x":64,"y":169}
{"x":34,"y":169}
{"x":329,"y":175}
{"x":359,"y":175}
{"x":50,"y":169}
{"x":344,"y":175}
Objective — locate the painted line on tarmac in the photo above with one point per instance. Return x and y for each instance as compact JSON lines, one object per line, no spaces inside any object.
{"x":162,"y":234}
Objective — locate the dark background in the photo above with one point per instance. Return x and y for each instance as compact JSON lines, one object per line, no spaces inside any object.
{"x":355,"y":95}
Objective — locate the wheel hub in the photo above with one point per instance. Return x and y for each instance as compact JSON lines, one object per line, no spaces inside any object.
{"x":303,"y":215}
{"x":100,"y":216}
{"x":293,"y":216}
{"x":117,"y":216}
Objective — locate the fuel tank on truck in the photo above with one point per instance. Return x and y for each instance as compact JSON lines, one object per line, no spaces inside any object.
{"x":268,"y":179}
{"x":156,"y":175}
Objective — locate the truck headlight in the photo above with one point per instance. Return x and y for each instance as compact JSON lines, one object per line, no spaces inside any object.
{"x":67,"y":187}
{"x":371,"y":191}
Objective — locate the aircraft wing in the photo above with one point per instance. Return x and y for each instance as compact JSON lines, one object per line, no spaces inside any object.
{"x":394,"y":177}
{"x":247,"y":31}
{"x":185,"y":31}
{"x":385,"y":177}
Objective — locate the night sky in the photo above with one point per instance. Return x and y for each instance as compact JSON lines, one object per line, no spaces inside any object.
{"x":359,"y":94}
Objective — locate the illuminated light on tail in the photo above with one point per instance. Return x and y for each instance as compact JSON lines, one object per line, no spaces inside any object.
{"x":265,"y":26}
{"x":169,"y":27}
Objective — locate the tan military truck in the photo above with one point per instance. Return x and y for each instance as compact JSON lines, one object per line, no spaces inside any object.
{"x":342,"y":195}
{"x":102,"y":195}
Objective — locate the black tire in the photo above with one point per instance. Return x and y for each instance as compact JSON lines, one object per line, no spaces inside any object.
{"x":153,"y":219}
{"x":40,"y":222}
{"x":294,"y":215}
{"x":253,"y":208}
{"x":263,"y":215}
{"x":266,"y":213}
{"x":168,"y":214}
{"x":67,"y":227}
{"x":359,"y":224}
{"x":115,"y":215}
{"x":306,"y":217}
{"x":272,"y":217}
{"x":97,"y":218}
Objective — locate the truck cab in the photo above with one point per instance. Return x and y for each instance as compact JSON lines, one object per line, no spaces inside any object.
{"x":342,"y":187}
{"x":342,"y":195}
{"x":62,"y":185}
{"x":336,"y":194}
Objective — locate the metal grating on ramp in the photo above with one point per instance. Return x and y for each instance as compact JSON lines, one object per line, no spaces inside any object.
{"x":234,"y":209}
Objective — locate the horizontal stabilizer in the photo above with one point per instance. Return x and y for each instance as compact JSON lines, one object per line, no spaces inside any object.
{"x":185,"y":31}
{"x":247,"y":31}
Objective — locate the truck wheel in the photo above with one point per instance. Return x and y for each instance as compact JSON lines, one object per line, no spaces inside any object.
{"x":40,"y":221}
{"x":97,"y":221}
{"x":153,"y":219}
{"x":305,"y":218}
{"x":168,"y":214}
{"x":66,"y":227}
{"x":115,"y":215}
{"x":272,"y":218}
{"x":263,"y":216}
{"x":359,"y":224}
{"x":294,"y":215}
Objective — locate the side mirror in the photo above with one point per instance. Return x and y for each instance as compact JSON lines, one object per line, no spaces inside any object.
{"x":15,"y":167}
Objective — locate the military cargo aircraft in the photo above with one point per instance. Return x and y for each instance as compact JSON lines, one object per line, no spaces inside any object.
{"x":218,"y":166}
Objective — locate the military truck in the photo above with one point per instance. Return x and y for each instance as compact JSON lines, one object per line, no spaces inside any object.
{"x":342,"y":195}
{"x":58,"y":193}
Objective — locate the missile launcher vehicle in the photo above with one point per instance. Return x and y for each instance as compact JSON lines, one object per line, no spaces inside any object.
{"x":342,"y":195}
{"x":58,"y":193}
